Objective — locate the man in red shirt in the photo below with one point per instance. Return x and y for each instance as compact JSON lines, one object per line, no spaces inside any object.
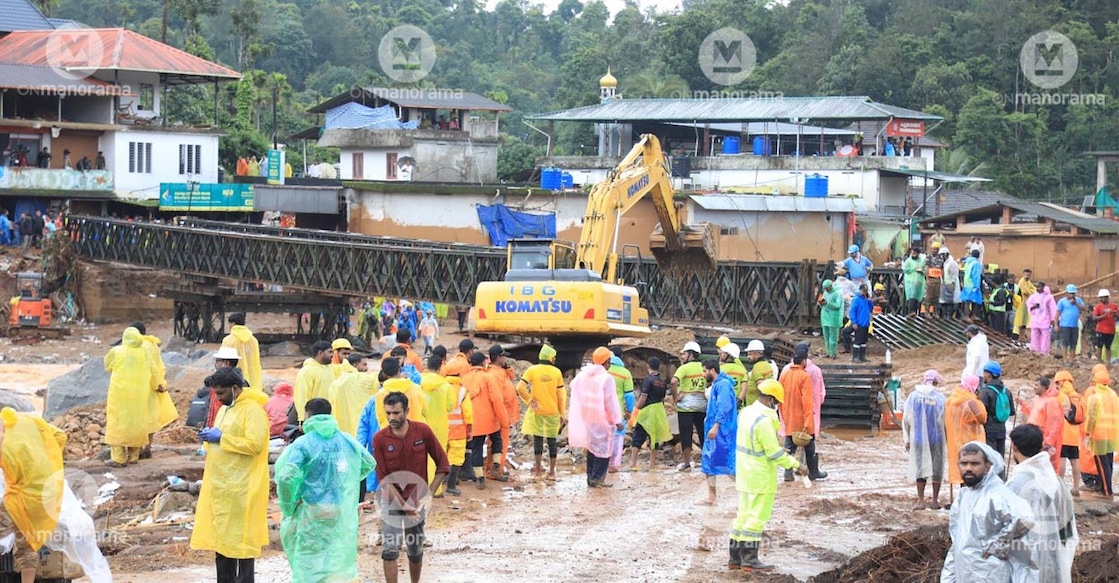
{"x":1105,"y":314}
{"x":401,"y":451}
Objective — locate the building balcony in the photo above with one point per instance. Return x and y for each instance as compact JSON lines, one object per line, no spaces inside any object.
{"x":55,"y":180}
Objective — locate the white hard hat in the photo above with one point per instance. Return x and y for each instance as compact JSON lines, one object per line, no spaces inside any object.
{"x":692,"y":347}
{"x":1103,"y":293}
{"x":227,"y":353}
{"x":755,"y":346}
{"x":731,"y":349}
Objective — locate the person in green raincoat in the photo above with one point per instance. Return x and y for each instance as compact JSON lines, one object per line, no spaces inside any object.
{"x":913,"y":269}
{"x":831,"y":317}
{"x":317,"y":480}
{"x":649,"y":420}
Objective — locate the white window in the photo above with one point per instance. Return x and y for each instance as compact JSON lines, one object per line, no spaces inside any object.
{"x":140,"y":157}
{"x":190,"y":159}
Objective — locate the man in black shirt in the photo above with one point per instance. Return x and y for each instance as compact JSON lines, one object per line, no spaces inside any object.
{"x":649,"y":420}
{"x":37,"y":224}
{"x":44,"y":160}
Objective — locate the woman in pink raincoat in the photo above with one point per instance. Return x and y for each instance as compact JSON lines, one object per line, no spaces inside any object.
{"x":1043,"y":314}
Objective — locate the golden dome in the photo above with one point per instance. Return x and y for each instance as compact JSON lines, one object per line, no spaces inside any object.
{"x":607,"y":80}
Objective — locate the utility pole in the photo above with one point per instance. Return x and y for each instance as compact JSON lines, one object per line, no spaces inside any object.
{"x":275,"y":98}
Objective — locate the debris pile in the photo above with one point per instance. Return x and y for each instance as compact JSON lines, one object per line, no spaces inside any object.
{"x":914,"y":556}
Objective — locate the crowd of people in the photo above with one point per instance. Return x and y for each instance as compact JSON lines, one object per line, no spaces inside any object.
{"x":30,"y":229}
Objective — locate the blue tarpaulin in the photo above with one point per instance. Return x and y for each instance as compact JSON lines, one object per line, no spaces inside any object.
{"x":503,"y":224}
{"x":355,"y":116}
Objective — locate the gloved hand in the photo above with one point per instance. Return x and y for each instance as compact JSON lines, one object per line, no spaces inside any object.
{"x":800,"y":470}
{"x":211,"y":435}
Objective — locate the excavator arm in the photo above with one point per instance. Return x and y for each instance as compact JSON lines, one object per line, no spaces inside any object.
{"x":643,"y":171}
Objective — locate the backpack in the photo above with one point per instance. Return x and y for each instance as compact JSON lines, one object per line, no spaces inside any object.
{"x":1075,"y":413}
{"x":1002,"y":403}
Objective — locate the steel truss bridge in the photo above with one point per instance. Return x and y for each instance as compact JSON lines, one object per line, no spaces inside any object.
{"x":735,"y":293}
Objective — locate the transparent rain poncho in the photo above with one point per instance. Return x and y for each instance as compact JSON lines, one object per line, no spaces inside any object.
{"x":317,"y":480}
{"x":923,"y":430}
{"x":1050,"y":545}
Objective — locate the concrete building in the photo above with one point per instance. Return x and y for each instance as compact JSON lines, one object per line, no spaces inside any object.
{"x":432,"y":135}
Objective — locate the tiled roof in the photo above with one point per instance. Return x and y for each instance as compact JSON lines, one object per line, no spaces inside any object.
{"x":96,"y":49}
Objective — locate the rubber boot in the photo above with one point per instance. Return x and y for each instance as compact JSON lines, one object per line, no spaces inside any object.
{"x":788,"y":475}
{"x":735,"y":560}
{"x":750,"y":560}
{"x":814,"y":472}
{"x":466,"y":472}
{"x":452,"y":482}
{"x":480,"y":481}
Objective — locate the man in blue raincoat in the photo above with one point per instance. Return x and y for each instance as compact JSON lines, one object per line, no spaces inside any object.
{"x":721,"y":424}
{"x":971,"y":293}
{"x":317,"y":483}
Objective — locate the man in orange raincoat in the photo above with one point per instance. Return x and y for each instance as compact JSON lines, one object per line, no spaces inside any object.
{"x":1072,"y":435}
{"x":964,"y":417}
{"x":490,"y":415}
{"x":1103,"y":427}
{"x":1046,"y":413}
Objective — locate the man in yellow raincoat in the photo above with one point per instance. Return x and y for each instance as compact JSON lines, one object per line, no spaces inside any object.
{"x":437,"y":406}
{"x":396,"y":382}
{"x":1026,"y":288}
{"x":231,"y":518}
{"x":315,"y":378}
{"x":242,"y":340}
{"x":1103,"y":427}
{"x":541,"y":388}
{"x":340,"y":362}
{"x":161,"y":409}
{"x":349,"y":394}
{"x":759,"y":455}
{"x":127,"y":408}
{"x":32,"y":462}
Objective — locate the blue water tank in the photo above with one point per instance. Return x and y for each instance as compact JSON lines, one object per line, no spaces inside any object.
{"x":731,"y":145}
{"x":568,"y":180}
{"x":761,"y":146}
{"x":816,"y":186}
{"x":551,"y":179}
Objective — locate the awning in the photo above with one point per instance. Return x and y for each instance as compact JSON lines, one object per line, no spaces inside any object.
{"x":933,"y":174}
{"x":143,"y":202}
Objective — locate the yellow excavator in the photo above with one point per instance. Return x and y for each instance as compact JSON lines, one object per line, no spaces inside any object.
{"x":571,"y":294}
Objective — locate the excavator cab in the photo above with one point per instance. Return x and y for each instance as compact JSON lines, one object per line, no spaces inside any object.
{"x":539,"y":254}
{"x":29,"y":308}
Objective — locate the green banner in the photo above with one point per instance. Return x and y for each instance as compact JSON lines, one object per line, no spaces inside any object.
{"x":179,"y":196}
{"x":275,"y":171}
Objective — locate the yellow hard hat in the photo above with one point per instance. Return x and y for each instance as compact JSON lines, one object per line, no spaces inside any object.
{"x":722,"y":341}
{"x":879,"y":287}
{"x":935,"y":244}
{"x":772,"y":388}
{"x":341,"y":343}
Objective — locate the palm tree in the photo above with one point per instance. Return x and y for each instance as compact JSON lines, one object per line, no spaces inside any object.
{"x":653,"y":85}
{"x":957,"y":161}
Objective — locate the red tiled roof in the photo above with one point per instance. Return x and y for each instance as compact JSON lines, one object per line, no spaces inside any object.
{"x":91,"y":49}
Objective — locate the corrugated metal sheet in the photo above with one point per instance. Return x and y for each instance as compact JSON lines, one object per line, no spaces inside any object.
{"x":778,"y":204}
{"x":933,"y":174}
{"x":45,"y":80}
{"x":21,"y":15}
{"x":809,"y":109}
{"x":419,"y":97}
{"x":1043,"y":210}
{"x":948,"y":201}
{"x":109,"y":49}
{"x":770,"y":128}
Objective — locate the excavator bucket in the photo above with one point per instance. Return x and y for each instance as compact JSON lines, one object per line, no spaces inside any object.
{"x":695,"y":249}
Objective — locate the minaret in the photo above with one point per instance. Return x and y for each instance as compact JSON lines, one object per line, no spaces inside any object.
{"x":607,"y":87}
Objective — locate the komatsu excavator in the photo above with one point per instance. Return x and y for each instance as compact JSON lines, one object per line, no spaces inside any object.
{"x":571,"y":294}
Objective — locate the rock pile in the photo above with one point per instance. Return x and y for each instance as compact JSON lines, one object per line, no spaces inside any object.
{"x":85,"y":428}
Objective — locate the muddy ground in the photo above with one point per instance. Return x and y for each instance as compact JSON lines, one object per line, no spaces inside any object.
{"x":647,"y":528}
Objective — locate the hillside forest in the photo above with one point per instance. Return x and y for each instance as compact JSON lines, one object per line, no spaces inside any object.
{"x":956,"y":58}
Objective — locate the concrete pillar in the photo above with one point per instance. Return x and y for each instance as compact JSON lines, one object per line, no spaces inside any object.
{"x":1005,"y":215}
{"x":1101,"y":173}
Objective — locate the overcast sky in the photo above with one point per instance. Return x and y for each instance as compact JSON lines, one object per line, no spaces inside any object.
{"x":613,"y":5}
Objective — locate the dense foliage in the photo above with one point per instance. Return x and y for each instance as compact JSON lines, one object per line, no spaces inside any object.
{"x":957,"y":58}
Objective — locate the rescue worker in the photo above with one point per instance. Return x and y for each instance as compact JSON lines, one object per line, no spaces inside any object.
{"x":971,"y":293}
{"x":729,"y":364}
{"x":595,"y":416}
{"x":490,"y":415}
{"x":978,"y":351}
{"x":1043,"y":319}
{"x":986,"y":523}
{"x":1047,"y":414}
{"x":1049,"y":546}
{"x":429,"y":331}
{"x":1105,"y":314}
{"x":231,"y":518}
{"x":934,"y":271}
{"x":1075,"y":408}
{"x":964,"y":419}
{"x":721,"y":426}
{"x":33,"y":474}
{"x":1025,"y":289}
{"x":949,"y":286}
{"x":460,"y":421}
{"x":819,"y":391}
{"x":317,"y":478}
{"x":503,"y":375}
{"x":461,"y":360}
{"x":858,"y":266}
{"x":279,"y":408}
{"x":649,"y":420}
{"x":242,"y":340}
{"x":623,"y":384}
{"x":759,"y":454}
{"x":407,"y":370}
{"x":340,"y":359}
{"x":541,"y":388}
{"x":225,"y":357}
{"x":397,"y":382}
{"x":314,"y":379}
{"x":161,"y":409}
{"x":368,"y":324}
{"x":1103,"y":427}
{"x":404,"y":337}
{"x":880,"y":301}
{"x":349,"y":394}
{"x":127,"y":407}
{"x":1000,"y":300}
{"x":989,"y":394}
{"x":913,"y":270}
{"x":689,"y":390}
{"x":859,"y":316}
{"x":831,"y":317}
{"x":437,"y":405}
{"x":760,"y":370}
{"x":924,"y":435}
{"x":798,"y":414}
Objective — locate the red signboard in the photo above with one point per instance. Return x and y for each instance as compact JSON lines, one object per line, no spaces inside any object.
{"x":905,"y":128}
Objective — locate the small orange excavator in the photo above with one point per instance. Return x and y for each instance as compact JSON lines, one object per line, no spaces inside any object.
{"x":31,"y":313}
